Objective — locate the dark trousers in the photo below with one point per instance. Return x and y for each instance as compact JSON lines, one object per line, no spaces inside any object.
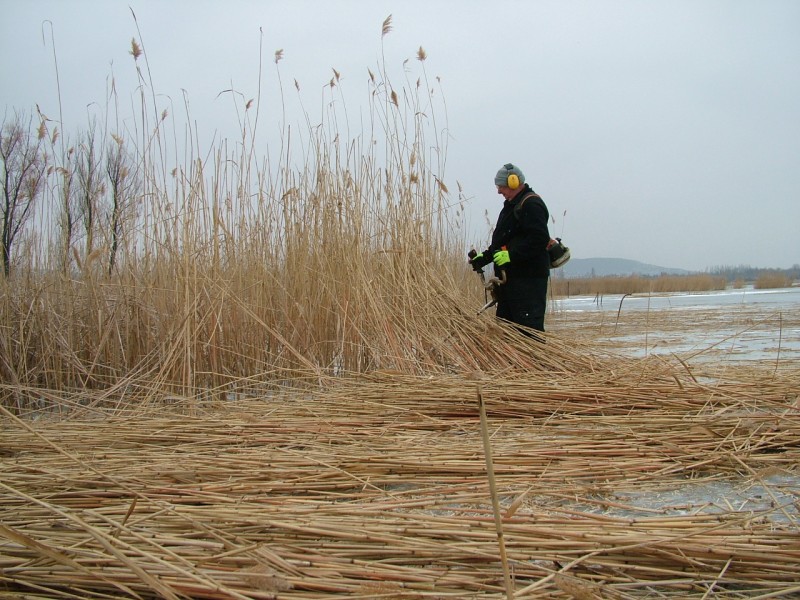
{"x":524,"y":302}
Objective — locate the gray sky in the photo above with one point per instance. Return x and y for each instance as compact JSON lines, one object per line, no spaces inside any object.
{"x":669,"y":131}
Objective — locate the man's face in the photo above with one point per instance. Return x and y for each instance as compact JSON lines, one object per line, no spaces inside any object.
{"x":506,"y":192}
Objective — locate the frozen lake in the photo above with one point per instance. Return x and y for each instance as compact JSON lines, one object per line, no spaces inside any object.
{"x":735,"y":325}
{"x":772,"y":300}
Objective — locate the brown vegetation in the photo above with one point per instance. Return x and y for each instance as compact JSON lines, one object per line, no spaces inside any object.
{"x":636,"y":284}
{"x":203,"y":275}
{"x":768,"y":281}
{"x":605,"y":474}
{"x":229,"y":378}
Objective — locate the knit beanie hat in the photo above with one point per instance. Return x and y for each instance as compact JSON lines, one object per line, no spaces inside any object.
{"x":508,"y":169}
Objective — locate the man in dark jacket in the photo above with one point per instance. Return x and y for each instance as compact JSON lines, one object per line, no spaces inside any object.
{"x":519,"y":247}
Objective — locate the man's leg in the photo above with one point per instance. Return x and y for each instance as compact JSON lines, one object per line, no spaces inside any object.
{"x":538,"y":302}
{"x":525,"y":303}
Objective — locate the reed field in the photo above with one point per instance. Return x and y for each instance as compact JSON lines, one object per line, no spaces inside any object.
{"x":262,"y":375}
{"x":772,"y":280}
{"x":632,"y":284}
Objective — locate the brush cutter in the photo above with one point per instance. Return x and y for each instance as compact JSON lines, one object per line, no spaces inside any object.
{"x":491,"y":286}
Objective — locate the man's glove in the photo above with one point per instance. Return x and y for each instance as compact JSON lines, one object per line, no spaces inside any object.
{"x":479,"y":261}
{"x":501,"y":258}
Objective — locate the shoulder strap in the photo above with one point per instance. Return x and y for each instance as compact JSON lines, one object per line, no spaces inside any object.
{"x":519,"y":206}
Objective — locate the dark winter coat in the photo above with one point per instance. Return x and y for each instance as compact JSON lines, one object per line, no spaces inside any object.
{"x":522,"y":228}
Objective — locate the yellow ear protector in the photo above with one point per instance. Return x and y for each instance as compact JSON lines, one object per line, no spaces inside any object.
{"x":513,"y":179}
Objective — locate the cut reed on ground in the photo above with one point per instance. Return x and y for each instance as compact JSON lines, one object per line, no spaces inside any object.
{"x":377,"y":487}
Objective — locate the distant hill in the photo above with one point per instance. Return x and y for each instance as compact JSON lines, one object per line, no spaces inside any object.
{"x":601,"y":267}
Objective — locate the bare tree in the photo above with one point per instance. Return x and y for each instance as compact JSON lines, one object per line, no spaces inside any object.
{"x":90,"y":187}
{"x":24,"y":165}
{"x":123,"y":188}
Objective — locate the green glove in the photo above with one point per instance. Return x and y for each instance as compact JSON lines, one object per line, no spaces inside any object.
{"x":501,"y":258}
{"x":478,"y":262}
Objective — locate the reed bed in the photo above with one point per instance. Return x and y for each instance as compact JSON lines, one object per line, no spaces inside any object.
{"x":633,"y":284}
{"x":288,"y":253}
{"x":374,"y":486}
{"x":767,"y":281}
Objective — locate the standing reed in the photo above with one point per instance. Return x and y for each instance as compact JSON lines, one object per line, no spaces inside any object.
{"x":226,"y":266}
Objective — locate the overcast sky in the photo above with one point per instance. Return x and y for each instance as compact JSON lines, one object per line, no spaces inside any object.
{"x":669,"y":131}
